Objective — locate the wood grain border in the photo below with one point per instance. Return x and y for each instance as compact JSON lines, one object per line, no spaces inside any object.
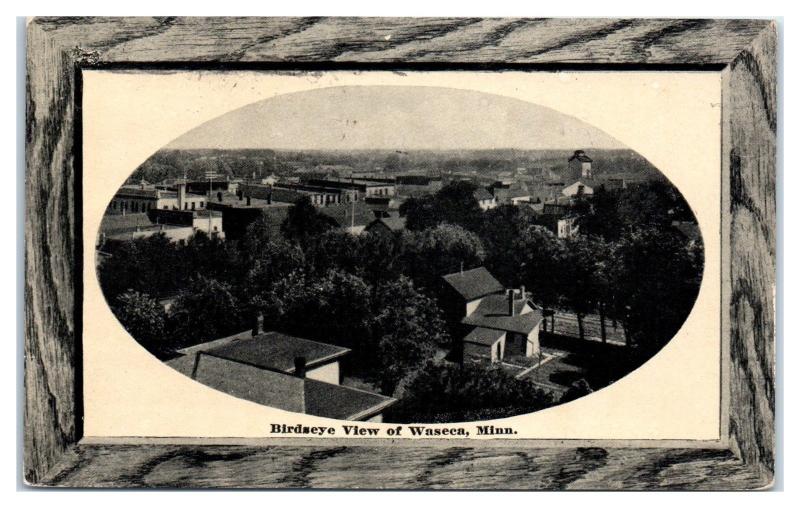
{"x":58,"y":49}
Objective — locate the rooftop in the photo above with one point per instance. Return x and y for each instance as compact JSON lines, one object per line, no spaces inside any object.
{"x":581,"y":156}
{"x":342,"y":402}
{"x":277,"y":351}
{"x":347,"y":214}
{"x":492,"y":313}
{"x":483,"y":336}
{"x":482,"y":194}
{"x":472,"y":284}
{"x":393,"y":223}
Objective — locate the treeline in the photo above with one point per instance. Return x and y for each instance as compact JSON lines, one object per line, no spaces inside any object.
{"x":627,"y":264}
{"x":376,"y":293}
{"x":243,"y":163}
{"x":371,"y":293}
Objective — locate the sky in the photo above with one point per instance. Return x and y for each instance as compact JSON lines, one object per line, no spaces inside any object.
{"x":396,"y":118}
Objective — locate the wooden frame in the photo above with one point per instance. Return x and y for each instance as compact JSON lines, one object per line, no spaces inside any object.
{"x":58,"y":49}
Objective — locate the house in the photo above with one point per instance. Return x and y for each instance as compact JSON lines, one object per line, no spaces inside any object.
{"x":509,"y":318}
{"x":352,"y":217}
{"x":578,"y":189}
{"x":281,"y":371}
{"x":495,"y":322}
{"x":580,"y":165}
{"x":485,"y":199}
{"x":506,"y":193}
{"x":386,"y":225}
{"x":464,"y":290}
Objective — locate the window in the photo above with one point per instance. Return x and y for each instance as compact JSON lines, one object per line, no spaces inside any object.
{"x":192,"y":205}
{"x":499,"y":351}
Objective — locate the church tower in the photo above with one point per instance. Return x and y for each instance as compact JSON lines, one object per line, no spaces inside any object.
{"x":580,"y":165}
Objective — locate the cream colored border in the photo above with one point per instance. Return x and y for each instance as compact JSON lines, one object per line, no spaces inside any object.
{"x":670,"y":118}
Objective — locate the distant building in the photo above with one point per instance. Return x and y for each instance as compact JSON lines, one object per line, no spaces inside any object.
{"x":208,"y":221}
{"x":134,"y":199}
{"x":578,"y":189}
{"x":580,"y":165}
{"x":418,"y":185}
{"x":216,"y":184}
{"x":352,"y":217}
{"x":281,"y":371}
{"x":239,"y":211}
{"x":506,"y":193}
{"x":485,"y":199}
{"x":386,"y":225}
{"x":365,"y":187}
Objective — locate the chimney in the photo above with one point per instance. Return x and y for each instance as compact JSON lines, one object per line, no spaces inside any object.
{"x":300,"y":366}
{"x":510,"y":302}
{"x":522,"y":292}
{"x":181,"y":194}
{"x":258,"y":324}
{"x":219,"y":196}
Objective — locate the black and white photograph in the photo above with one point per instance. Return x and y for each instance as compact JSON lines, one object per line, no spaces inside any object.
{"x":400,"y":254}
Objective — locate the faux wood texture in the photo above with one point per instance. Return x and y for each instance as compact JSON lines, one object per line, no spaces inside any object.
{"x":56,"y":47}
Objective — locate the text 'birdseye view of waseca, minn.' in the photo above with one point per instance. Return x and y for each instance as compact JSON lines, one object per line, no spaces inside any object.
{"x":400,"y":254}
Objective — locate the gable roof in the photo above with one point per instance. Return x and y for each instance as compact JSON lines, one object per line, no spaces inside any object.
{"x":482,"y":194}
{"x":347,"y":214}
{"x":277,"y":351}
{"x":483,"y":336}
{"x":392,"y":223}
{"x":580,"y":155}
{"x":492,"y":313}
{"x":472,"y":284}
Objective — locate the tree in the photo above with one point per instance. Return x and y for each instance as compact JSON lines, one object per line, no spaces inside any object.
{"x":445,"y":392}
{"x":427,"y":255}
{"x":580,"y":272}
{"x":500,"y":233}
{"x":144,"y":318}
{"x":205,"y":310}
{"x":274,"y":261}
{"x":335,"y":249}
{"x":407,"y":329}
{"x":333,"y":308}
{"x":420,"y":213}
{"x":542,"y":258}
{"x":147,"y":265}
{"x":455,"y":203}
{"x":656,"y":277}
{"x":304,"y":222}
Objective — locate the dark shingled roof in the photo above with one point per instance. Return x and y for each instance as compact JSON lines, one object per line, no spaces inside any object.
{"x":392,"y":223}
{"x":492,"y":313}
{"x":482,"y":194}
{"x":113,"y":223}
{"x":342,"y":402}
{"x":472,"y":284}
{"x":277,"y":351}
{"x":483,"y":336}
{"x":581,"y":156}
{"x":343,"y":214}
